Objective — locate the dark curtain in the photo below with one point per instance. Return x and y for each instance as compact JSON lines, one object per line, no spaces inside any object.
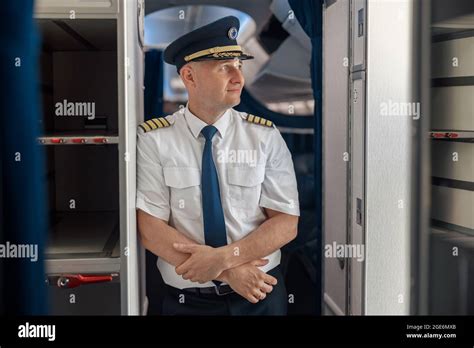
{"x":23,"y":201}
{"x":309,"y":15}
{"x":154,"y":84}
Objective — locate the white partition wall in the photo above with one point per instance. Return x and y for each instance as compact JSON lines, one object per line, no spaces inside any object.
{"x":390,"y":70}
{"x":335,"y":151}
{"x":368,"y":112}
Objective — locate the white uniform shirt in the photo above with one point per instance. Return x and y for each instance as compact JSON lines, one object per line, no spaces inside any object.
{"x":253,"y":164}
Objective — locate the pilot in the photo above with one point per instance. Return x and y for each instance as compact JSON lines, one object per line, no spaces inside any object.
{"x":216,"y":188}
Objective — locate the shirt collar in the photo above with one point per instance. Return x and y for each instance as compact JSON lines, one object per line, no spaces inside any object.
{"x":196,"y":124}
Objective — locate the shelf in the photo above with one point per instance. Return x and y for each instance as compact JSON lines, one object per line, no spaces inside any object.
{"x":452,"y":206}
{"x":455,"y":238}
{"x":78,"y":140}
{"x":452,"y":135}
{"x":83,"y":235}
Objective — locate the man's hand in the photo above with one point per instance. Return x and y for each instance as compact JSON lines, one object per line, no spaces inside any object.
{"x":249,"y":281}
{"x":204,"y":264}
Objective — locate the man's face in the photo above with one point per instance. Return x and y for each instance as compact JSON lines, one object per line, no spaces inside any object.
{"x":219,"y":82}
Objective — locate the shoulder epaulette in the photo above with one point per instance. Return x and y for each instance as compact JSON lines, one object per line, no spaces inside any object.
{"x":258,"y":120}
{"x":155,"y":123}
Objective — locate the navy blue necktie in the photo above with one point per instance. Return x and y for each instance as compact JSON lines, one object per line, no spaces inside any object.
{"x":214,"y":224}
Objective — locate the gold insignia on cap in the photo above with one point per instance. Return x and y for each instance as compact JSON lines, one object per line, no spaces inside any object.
{"x":154,"y":123}
{"x":259,"y":120}
{"x":212,"y":50}
{"x":227,"y":55}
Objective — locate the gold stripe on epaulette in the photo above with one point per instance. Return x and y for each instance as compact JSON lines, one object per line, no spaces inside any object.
{"x":259,"y":120}
{"x":157,"y":122}
{"x":164,"y":121}
{"x":151,"y":124}
{"x":154,"y":123}
{"x":145,"y":127}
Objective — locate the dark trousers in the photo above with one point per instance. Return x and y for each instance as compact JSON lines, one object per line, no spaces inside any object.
{"x":183,"y":302}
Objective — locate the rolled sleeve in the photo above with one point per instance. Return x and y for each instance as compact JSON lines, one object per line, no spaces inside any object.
{"x":152,"y":192}
{"x":279,"y":188}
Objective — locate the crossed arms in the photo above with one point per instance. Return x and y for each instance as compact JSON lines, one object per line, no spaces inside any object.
{"x":236,"y":264}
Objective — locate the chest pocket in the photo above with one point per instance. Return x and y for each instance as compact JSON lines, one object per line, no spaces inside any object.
{"x":244,"y":190}
{"x":185,"y":191}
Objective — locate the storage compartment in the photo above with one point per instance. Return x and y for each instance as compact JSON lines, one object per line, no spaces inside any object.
{"x":453,"y":206}
{"x":101,"y":298}
{"x":84,"y":230}
{"x":451,"y":252}
{"x":83,"y":201}
{"x":452,"y":160}
{"x":79,"y":91}
{"x":79,"y":77}
{"x":453,"y":57}
{"x":453,"y":108}
{"x":452,"y":273}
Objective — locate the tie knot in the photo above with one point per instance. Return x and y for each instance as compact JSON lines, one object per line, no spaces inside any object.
{"x":209,"y":132}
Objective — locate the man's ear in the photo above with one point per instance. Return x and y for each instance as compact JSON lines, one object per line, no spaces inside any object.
{"x":188,"y":75}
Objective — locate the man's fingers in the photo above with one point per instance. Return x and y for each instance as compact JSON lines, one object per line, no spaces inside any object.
{"x":258,"y":294}
{"x":266,"y":288}
{"x":187,"y":275}
{"x":251,"y":298}
{"x":270,"y":280}
{"x":181,"y":269}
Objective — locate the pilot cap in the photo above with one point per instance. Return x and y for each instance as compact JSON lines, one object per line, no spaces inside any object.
{"x":215,"y":41}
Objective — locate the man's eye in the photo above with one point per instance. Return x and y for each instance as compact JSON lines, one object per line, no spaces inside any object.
{"x":227,"y":67}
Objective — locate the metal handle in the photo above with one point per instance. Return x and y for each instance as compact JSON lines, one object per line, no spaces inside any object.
{"x":74,"y":280}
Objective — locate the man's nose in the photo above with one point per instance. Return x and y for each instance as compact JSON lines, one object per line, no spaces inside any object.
{"x":237,"y":76}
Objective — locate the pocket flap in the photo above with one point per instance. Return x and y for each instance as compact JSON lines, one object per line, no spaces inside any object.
{"x":246,"y":175}
{"x":182,"y":177}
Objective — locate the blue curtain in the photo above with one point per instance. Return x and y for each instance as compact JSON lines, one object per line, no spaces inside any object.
{"x":23,"y":194}
{"x":153,"y":84}
{"x":309,"y":15}
{"x":251,"y":105}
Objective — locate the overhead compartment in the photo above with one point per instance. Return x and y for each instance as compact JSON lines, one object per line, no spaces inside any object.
{"x":79,"y":83}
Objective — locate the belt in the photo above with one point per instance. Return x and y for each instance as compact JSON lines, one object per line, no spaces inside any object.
{"x":220,"y":290}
